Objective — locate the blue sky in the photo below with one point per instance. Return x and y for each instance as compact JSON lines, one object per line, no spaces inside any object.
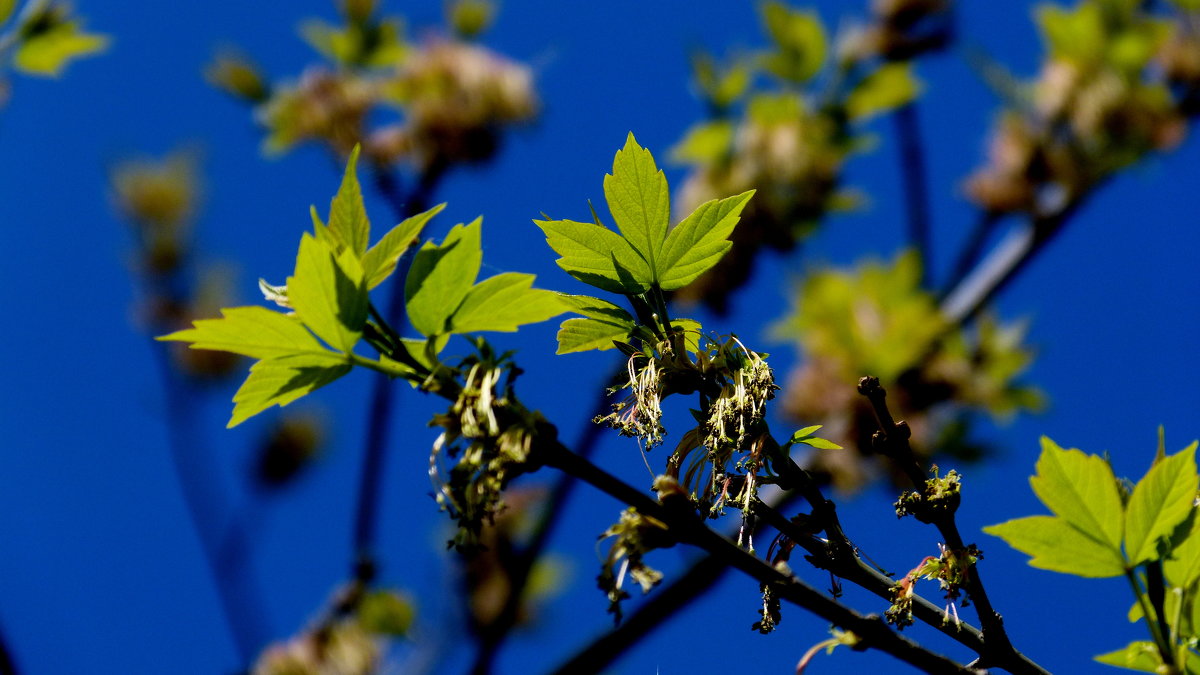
{"x":100,"y":570}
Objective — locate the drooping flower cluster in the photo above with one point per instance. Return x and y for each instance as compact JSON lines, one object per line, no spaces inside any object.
{"x":490,"y":435}
{"x":633,"y":536}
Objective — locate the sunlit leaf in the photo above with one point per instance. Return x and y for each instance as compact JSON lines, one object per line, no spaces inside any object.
{"x":1182,"y":567}
{"x":347,"y":214}
{"x":380,"y":260}
{"x":1082,"y":490}
{"x":1141,"y":655}
{"x":1160,"y":502}
{"x":799,"y":40}
{"x":441,"y":276}
{"x":597,"y":256}
{"x":705,"y":143}
{"x":699,"y":241}
{"x":279,"y":381}
{"x":581,"y":335}
{"x":637,"y":195}
{"x":596,"y":308}
{"x":328,"y":293}
{"x":1055,"y":544}
{"x":256,"y":332}
{"x":504,"y":302}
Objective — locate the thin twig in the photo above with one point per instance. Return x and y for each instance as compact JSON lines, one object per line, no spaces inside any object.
{"x":916,"y":185}
{"x":892,"y":441}
{"x":971,"y":251}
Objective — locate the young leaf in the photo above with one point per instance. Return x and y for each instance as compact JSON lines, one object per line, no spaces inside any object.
{"x":256,"y":332}
{"x":1082,"y":490}
{"x":280,"y":381}
{"x":347,"y":214}
{"x":1183,"y":566}
{"x":1140,"y":655}
{"x":380,"y":260}
{"x":504,"y":302}
{"x":581,"y":335}
{"x":596,"y":308}
{"x":441,"y":276}
{"x":637,"y":195}
{"x":691,"y":333}
{"x":1161,"y":501}
{"x":800,"y":39}
{"x":328,"y":294}
{"x":1055,"y":544}
{"x":699,"y":241}
{"x":597,"y":256}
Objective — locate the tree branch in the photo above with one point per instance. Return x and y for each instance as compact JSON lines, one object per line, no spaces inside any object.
{"x":916,"y":185}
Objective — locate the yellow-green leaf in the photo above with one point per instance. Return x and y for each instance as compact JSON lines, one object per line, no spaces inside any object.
{"x":1055,"y":544}
{"x":256,"y":332}
{"x":581,"y":335}
{"x":504,"y":302}
{"x":597,"y":256}
{"x":1140,"y":655}
{"x":279,"y":381}
{"x":441,"y":276}
{"x":638,"y":197}
{"x":1160,"y":502}
{"x":328,"y":293}
{"x":1182,"y":567}
{"x":799,"y":40}
{"x":1082,"y":490}
{"x":48,"y":52}
{"x":347,"y":213}
{"x":699,"y":241}
{"x":380,"y":260}
{"x":705,"y":143}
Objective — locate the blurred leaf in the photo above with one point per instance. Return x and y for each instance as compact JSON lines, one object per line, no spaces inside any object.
{"x":49,"y":50}
{"x":470,"y":18}
{"x":328,"y":294}
{"x":6,"y":9}
{"x":890,"y":86}
{"x":1140,"y":655}
{"x":279,"y":381}
{"x":1075,"y":35}
{"x":1082,"y":490}
{"x":380,"y":260}
{"x":637,"y":195}
{"x":504,"y":302}
{"x":799,"y":39}
{"x":347,"y":214}
{"x":705,"y":143}
{"x":441,"y":276}
{"x":699,"y":241}
{"x":386,"y":613}
{"x":256,"y":332}
{"x":597,"y":256}
{"x":1056,"y":545}
{"x":1160,"y":502}
{"x":721,"y":86}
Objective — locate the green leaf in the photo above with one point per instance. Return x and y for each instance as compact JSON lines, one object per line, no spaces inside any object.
{"x":48,"y":52}
{"x":705,"y":143}
{"x":380,"y":260}
{"x":890,"y":86}
{"x":504,"y":302}
{"x":1183,"y":566}
{"x":581,"y":335}
{"x":691,"y":333}
{"x":1055,"y":545}
{"x":328,"y":294}
{"x":799,"y":39}
{"x":347,"y":214}
{"x":1160,"y":502}
{"x":805,"y":432}
{"x":279,"y":381}
{"x":596,"y":308}
{"x":256,"y":332}
{"x":699,"y":241}
{"x":597,"y":256}
{"x":441,"y":276}
{"x":1082,"y":490}
{"x":637,"y":195}
{"x":821,"y":443}
{"x":1140,"y":655}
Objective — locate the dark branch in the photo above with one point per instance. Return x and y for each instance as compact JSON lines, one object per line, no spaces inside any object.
{"x":916,"y":185}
